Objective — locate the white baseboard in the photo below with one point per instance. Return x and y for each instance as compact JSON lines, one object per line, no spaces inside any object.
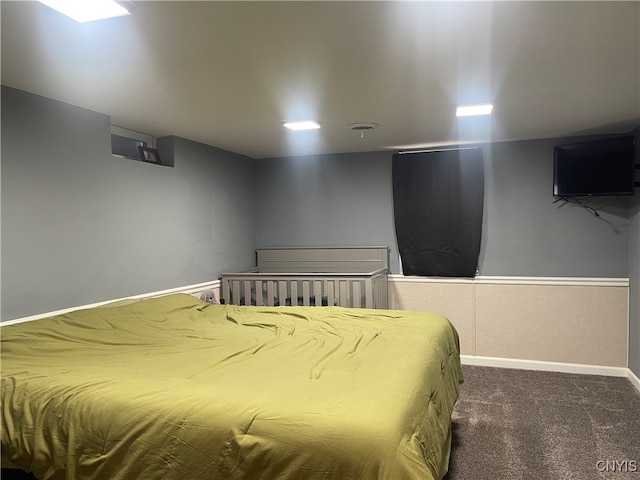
{"x":189,"y":289}
{"x":552,"y":367}
{"x":513,"y":280}
{"x":544,"y":366}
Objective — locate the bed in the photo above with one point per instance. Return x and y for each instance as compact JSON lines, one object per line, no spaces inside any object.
{"x":353,"y":277}
{"x":177,"y":388}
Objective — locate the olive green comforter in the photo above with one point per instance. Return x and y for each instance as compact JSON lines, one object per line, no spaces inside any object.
{"x":175,"y":388}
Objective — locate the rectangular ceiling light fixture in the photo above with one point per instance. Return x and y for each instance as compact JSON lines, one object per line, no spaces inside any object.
{"x":470,"y":110}
{"x":302,"y":125}
{"x":90,"y":10}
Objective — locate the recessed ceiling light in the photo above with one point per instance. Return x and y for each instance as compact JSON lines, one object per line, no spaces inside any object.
{"x":302,"y":125}
{"x":89,"y":10}
{"x":470,"y":110}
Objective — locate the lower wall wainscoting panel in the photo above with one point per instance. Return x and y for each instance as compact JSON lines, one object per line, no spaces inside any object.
{"x":564,"y":320}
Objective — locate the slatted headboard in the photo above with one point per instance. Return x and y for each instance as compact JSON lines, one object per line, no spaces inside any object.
{"x":345,"y":276}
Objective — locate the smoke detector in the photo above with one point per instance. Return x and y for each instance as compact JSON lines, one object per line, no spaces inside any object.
{"x":362,"y":127}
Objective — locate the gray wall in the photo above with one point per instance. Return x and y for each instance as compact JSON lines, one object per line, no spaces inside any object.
{"x":347,"y":200}
{"x":526,"y":233}
{"x":634,"y":289}
{"x":326,"y":201}
{"x":80,"y":226}
{"x":634,"y":275}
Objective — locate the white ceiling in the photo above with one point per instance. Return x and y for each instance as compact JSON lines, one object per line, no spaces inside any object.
{"x":228,"y":73}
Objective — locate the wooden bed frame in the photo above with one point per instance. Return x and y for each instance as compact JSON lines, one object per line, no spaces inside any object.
{"x":354,"y":277}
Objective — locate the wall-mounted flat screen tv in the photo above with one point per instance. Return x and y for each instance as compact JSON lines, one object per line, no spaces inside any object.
{"x":596,"y":167}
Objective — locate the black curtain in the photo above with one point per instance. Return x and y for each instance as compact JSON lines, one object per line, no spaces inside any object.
{"x":438,"y":200}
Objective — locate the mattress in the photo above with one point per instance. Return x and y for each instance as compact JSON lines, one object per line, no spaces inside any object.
{"x":176,"y":388}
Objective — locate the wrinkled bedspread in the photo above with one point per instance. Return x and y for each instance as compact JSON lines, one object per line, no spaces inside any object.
{"x":175,"y":388}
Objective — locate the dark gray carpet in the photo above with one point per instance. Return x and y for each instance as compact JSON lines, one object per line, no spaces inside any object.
{"x":519,"y":424}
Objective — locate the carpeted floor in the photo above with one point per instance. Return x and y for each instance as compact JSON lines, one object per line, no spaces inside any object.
{"x":526,"y":425}
{"x":519,"y":424}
